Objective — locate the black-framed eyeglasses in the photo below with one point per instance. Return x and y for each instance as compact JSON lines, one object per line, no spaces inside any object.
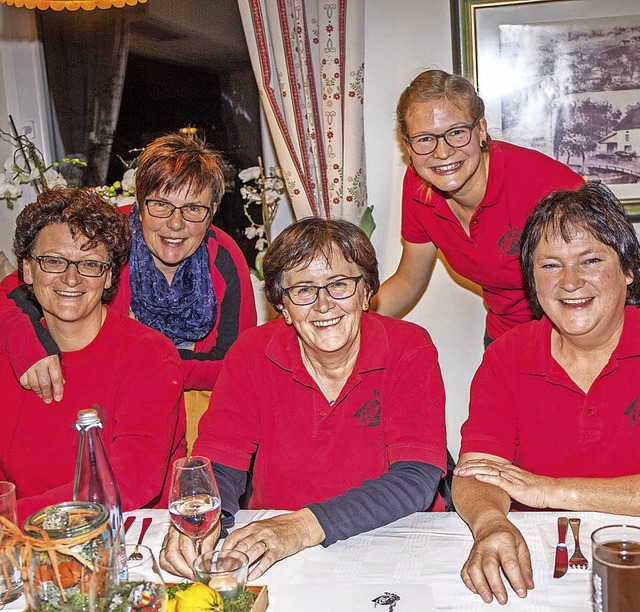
{"x":456,"y":137}
{"x":195,"y":213}
{"x":85,"y":267}
{"x":305,"y":295}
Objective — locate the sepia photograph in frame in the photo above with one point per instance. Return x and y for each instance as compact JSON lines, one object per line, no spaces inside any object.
{"x":561,"y":77}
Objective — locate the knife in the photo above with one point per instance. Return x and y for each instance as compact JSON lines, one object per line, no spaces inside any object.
{"x":128,"y":522}
{"x":562,"y":558}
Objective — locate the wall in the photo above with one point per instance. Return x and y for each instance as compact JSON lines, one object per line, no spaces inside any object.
{"x":23,"y":96}
{"x":7,"y":217}
{"x":403,"y":38}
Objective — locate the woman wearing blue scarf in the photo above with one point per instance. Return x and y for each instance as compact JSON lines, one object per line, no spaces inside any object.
{"x":185,"y":277}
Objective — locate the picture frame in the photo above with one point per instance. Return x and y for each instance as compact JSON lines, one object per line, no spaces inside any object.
{"x":559,"y":76}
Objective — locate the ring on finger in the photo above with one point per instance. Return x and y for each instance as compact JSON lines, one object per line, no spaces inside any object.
{"x":266,"y":546}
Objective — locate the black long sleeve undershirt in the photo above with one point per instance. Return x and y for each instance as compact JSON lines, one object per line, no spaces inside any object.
{"x":231,"y":484}
{"x":408,"y":487}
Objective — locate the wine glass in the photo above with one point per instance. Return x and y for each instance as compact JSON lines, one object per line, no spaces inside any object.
{"x":194,"y":500}
{"x":136,"y":585}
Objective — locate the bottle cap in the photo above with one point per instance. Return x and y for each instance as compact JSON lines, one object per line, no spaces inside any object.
{"x":88,"y":418}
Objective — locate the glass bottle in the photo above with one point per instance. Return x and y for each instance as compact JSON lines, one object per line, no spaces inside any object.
{"x":94,"y":479}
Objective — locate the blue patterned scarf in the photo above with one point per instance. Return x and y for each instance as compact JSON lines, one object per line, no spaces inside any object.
{"x":184,"y":311}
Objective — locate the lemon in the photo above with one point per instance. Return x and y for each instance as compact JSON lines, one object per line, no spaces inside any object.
{"x":199,"y":598}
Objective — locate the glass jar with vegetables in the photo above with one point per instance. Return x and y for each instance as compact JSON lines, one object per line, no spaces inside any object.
{"x":61,"y":544}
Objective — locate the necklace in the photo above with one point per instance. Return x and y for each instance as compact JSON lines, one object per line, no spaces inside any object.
{"x":316,"y":377}
{"x":322,"y":388}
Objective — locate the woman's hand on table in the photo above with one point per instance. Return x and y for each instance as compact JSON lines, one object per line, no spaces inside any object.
{"x":522,"y":486}
{"x":45,"y":379}
{"x":179,"y":552}
{"x":273,"y":539}
{"x":498,"y":544}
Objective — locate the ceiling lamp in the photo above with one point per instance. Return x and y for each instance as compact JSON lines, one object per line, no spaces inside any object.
{"x":71,"y":5}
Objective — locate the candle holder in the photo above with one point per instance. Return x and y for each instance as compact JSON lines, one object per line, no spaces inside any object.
{"x":225,"y":571}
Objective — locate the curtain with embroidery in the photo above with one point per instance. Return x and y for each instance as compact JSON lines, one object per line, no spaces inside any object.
{"x":308,"y":60}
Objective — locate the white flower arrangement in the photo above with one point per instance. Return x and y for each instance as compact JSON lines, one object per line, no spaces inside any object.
{"x":265,"y":191}
{"x":120,"y":193}
{"x":26,"y":165}
{"x":9,"y":191}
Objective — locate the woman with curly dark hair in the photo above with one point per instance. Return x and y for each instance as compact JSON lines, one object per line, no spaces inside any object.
{"x":86,"y":216}
{"x":70,"y":246}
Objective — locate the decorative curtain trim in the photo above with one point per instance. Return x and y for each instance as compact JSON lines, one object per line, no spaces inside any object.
{"x":308,"y":60}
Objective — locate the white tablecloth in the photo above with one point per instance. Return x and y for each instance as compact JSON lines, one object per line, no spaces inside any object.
{"x":422,"y":549}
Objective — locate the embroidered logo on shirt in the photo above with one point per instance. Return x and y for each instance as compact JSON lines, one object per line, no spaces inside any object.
{"x":633,"y":412}
{"x":369,"y":412}
{"x":510,"y":240}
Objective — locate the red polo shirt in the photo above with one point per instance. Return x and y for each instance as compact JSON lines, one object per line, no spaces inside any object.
{"x":490,"y":255}
{"x":525,"y":408}
{"x":265,"y":402}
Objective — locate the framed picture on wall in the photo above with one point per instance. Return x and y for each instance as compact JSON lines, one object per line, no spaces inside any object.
{"x":562,"y":77}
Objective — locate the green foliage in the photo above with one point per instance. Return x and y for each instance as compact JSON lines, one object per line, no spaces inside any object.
{"x":242,"y":603}
{"x":367,"y":224}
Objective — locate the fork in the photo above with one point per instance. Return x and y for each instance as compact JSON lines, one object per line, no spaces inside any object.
{"x":136,"y":555}
{"x":578,"y":560}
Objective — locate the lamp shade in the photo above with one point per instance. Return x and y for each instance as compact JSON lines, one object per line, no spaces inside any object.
{"x":71,"y":5}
